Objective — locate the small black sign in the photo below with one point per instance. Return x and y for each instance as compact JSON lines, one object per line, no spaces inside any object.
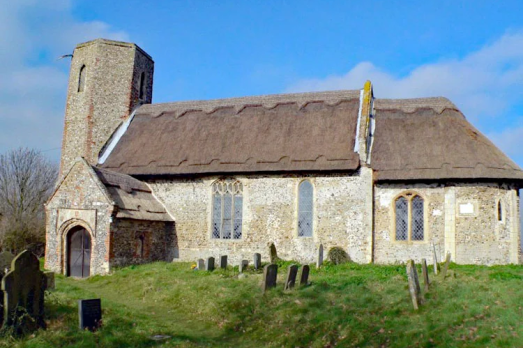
{"x":90,"y":314}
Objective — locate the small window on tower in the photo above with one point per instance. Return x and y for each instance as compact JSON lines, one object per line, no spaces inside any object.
{"x":81,"y":79}
{"x":500,"y":211}
{"x":142,"y":86}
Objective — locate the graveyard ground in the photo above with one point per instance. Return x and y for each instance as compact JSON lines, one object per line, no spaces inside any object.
{"x":347,"y":306}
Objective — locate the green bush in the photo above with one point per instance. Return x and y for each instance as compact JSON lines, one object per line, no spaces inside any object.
{"x":338,"y":256}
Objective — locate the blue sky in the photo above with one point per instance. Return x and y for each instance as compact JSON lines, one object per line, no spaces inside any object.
{"x":469,"y":51}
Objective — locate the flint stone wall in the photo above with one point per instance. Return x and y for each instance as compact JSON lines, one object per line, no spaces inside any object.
{"x":159,"y":241}
{"x":342,"y":216}
{"x":94,"y":114}
{"x":79,"y":201}
{"x":476,"y":238}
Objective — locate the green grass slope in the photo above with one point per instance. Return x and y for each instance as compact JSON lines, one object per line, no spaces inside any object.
{"x":347,"y":305}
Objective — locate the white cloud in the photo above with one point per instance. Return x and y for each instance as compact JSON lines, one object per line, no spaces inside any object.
{"x":483,"y":83}
{"x":34,"y":84}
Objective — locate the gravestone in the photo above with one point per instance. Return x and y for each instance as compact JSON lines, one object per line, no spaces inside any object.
{"x":90,"y":314}
{"x":290,"y":281}
{"x":445,"y":266}
{"x":319,"y":262}
{"x":210,"y":264}
{"x":270,"y":273}
{"x":201,"y":264}
{"x":223,"y":262}
{"x":425,"y":273}
{"x":257,"y":261}
{"x":5,"y":262}
{"x":435,"y":259}
{"x":304,"y":277}
{"x":273,"y":253}
{"x":414,"y":288}
{"x":243,"y":265}
{"x":49,"y":277}
{"x":23,"y":288}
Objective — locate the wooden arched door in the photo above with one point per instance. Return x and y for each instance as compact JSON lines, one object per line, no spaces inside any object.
{"x":79,"y":252}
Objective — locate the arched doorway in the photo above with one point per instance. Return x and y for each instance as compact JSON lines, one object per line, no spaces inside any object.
{"x":78,"y":252}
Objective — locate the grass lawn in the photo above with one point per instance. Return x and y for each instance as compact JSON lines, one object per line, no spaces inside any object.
{"x":349,"y":305}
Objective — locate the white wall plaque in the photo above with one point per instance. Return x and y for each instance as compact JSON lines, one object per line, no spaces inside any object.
{"x":466,"y":209}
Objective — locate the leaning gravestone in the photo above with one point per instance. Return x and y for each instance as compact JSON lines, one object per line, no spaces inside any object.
{"x":304,"y":278}
{"x":270,"y":272}
{"x":201,"y":264}
{"x":49,"y":277}
{"x":435,"y":259}
{"x":445,"y":266}
{"x":257,"y":261}
{"x":5,"y":262}
{"x":319,"y":262}
{"x":290,"y":281}
{"x":210,"y":264}
{"x":243,"y":265}
{"x":425,"y":273}
{"x":23,"y":289}
{"x":90,"y":314}
{"x":223,"y":262}
{"x":414,"y":288}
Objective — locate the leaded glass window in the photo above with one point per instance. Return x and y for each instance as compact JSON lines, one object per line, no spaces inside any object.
{"x":305,"y":209}
{"x":227,"y":209}
{"x":402,"y":218}
{"x":410,"y":218}
{"x":417,"y":218}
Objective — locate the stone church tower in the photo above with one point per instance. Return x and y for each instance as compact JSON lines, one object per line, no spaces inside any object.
{"x":107,"y":81}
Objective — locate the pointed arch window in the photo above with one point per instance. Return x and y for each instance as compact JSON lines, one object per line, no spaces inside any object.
{"x":410,"y":218}
{"x":142,"y":86}
{"x":81,"y":78}
{"x":227,"y":211}
{"x":305,"y":209}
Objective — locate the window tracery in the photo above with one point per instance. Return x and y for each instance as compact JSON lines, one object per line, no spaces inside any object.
{"x":227,"y":212}
{"x":409,"y":218}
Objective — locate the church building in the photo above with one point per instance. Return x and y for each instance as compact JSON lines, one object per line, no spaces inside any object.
{"x":387,"y":180}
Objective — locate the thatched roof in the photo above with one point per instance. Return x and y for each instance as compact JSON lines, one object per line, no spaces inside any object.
{"x":133,"y":198}
{"x":278,"y":133}
{"x":429,"y":138}
{"x":415,"y":139}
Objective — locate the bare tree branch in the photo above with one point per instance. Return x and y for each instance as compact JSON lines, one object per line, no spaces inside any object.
{"x":26,"y":181}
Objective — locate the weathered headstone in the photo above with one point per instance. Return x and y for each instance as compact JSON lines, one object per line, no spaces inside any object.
{"x":273,"y":253}
{"x":445,"y":266}
{"x":304,"y":277}
{"x":435,"y":259}
{"x":243,"y":265}
{"x":319,"y":262}
{"x":49,"y":276}
{"x":270,"y":273}
{"x":23,"y":289}
{"x":5,"y":262}
{"x":210,"y":264}
{"x":223,"y":262}
{"x":290,"y":281}
{"x":414,"y":288}
{"x":257,"y":261}
{"x":90,"y":314}
{"x":425,"y":273}
{"x":201,"y":264}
